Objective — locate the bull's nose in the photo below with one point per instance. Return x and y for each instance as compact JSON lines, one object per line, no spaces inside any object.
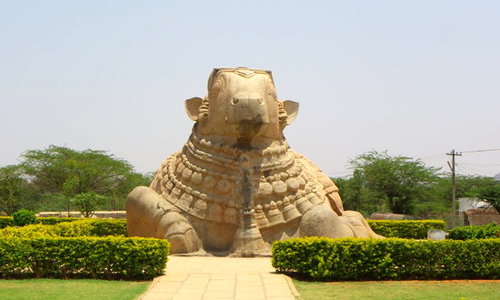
{"x":248,"y":108}
{"x":237,"y":100}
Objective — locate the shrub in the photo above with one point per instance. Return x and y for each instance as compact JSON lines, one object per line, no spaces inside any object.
{"x":406,"y":229}
{"x":30,"y":231}
{"x":6,"y":221}
{"x":24,"y":217}
{"x":87,"y":203}
{"x":475,"y":232}
{"x":83,"y":257}
{"x":93,"y":227}
{"x":55,"y":220}
{"x":9,"y":221}
{"x":392,"y":258}
{"x":79,"y":228}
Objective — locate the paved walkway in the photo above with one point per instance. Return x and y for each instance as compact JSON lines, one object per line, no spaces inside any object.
{"x":221,"y":278}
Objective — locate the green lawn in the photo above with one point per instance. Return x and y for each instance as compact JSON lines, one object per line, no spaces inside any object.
{"x":54,"y":289}
{"x":400,"y":290}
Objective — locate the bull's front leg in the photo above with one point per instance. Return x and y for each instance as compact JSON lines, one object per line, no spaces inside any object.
{"x":358,"y":224}
{"x":149,"y":215}
{"x":321,"y":220}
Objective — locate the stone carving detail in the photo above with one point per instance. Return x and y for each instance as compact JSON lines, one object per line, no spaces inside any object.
{"x":236,"y":186}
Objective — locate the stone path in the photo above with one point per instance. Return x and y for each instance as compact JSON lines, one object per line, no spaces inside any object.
{"x":221,"y":278}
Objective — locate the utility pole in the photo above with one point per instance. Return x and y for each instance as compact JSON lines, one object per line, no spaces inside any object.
{"x":453,"y":153}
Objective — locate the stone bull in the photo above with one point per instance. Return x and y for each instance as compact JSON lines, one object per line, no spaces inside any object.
{"x":236,"y":186}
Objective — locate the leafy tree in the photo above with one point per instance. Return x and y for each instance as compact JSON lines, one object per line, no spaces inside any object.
{"x":437,"y":203}
{"x":399,"y":181}
{"x":58,"y":173}
{"x":87,"y":203}
{"x":14,"y":189}
{"x":60,"y":169}
{"x":356,"y":196}
{"x":489,"y":192}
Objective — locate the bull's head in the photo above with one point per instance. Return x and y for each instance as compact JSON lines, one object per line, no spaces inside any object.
{"x":241,"y":108}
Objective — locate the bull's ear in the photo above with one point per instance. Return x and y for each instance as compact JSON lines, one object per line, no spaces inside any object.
{"x":292,"y":109}
{"x":192,"y":107}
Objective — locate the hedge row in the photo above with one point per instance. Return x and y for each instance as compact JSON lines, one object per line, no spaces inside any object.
{"x":79,"y":228}
{"x":388,"y":259}
{"x":9,"y":221}
{"x":406,"y":229}
{"x":55,"y":220}
{"x":475,"y":232}
{"x":84,"y":257}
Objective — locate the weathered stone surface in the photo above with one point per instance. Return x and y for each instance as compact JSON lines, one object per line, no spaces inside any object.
{"x":236,"y":186}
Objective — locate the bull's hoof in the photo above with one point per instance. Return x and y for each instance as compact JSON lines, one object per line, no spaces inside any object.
{"x":180,"y":234}
{"x":358,"y":225}
{"x":323,"y":221}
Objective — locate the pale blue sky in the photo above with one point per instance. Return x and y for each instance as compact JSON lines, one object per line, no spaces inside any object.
{"x":416,"y":78}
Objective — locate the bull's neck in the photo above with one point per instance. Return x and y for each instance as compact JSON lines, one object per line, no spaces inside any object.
{"x":207,"y":152}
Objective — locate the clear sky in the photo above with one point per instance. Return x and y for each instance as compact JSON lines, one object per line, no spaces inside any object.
{"x":416,"y":78}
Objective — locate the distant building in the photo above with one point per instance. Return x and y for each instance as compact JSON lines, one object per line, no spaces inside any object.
{"x":465,"y":204}
{"x":472,"y":211}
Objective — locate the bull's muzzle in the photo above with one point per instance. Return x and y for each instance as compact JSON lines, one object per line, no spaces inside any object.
{"x":248,"y":109}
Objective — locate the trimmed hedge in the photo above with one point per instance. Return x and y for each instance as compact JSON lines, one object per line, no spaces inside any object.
{"x":475,"y":232}
{"x":79,"y":228}
{"x":83,"y":257}
{"x":9,"y":221}
{"x":55,"y":220}
{"x":388,"y":259}
{"x":406,"y":229}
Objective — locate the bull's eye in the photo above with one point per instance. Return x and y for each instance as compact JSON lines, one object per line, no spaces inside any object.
{"x":260,"y":100}
{"x":235,"y":100}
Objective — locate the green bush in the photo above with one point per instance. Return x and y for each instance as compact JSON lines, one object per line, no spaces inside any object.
{"x":6,"y":221}
{"x":24,"y":217}
{"x":55,"y":220}
{"x":93,"y":227}
{"x":388,"y":259}
{"x":406,"y":229}
{"x":79,"y":228}
{"x":30,"y":231}
{"x":9,"y":221}
{"x":475,"y":232}
{"x":83,"y":257}
{"x":87,"y":203}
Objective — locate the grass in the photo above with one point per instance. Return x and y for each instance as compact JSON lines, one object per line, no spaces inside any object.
{"x":400,"y":290}
{"x":54,"y":289}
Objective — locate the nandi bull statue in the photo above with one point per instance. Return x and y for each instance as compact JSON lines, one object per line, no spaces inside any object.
{"x":236,"y":186}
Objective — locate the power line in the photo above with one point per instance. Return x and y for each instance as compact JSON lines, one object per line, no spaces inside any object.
{"x":478,"y":151}
{"x":433,"y":156}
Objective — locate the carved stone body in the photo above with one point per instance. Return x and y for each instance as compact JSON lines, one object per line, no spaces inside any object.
{"x":236,"y":186}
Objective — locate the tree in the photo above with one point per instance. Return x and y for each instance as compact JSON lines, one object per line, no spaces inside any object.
{"x":87,"y":203}
{"x":489,"y":192}
{"x":61,"y":172}
{"x":356,"y":196}
{"x":60,"y":169}
{"x":13,"y":189}
{"x":398,"y":181}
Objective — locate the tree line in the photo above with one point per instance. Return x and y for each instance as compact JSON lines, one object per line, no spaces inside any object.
{"x":63,"y":179}
{"x":402,"y":185}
